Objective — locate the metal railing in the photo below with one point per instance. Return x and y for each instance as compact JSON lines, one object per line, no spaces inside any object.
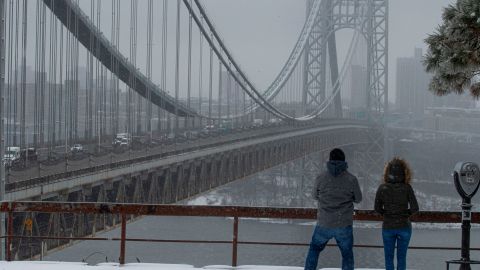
{"x":235,"y":212}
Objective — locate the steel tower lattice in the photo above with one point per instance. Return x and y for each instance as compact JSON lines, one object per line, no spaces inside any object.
{"x":345,"y":14}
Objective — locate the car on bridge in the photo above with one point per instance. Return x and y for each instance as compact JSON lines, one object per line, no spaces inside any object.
{"x":12,"y":156}
{"x":76,"y":148}
{"x":29,"y":154}
{"x":191,"y":134}
{"x":122,"y":140}
{"x":122,"y":143}
{"x":257,"y":122}
{"x":275,"y":121}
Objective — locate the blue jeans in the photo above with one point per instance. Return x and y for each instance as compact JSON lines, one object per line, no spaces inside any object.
{"x":320,"y":238}
{"x":400,"y":237}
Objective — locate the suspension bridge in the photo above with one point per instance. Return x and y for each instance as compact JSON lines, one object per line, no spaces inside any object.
{"x":179,"y":115}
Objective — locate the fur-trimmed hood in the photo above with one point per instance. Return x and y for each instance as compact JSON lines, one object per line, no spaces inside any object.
{"x":397,"y":162}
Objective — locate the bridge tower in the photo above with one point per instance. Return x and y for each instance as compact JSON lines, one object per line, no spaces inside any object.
{"x":370,"y":19}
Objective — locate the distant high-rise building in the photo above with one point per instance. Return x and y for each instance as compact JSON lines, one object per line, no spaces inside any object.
{"x":412,"y":85}
{"x":231,"y":91}
{"x":232,"y":94}
{"x":464,"y":101}
{"x":358,"y":87}
{"x":412,"y":88}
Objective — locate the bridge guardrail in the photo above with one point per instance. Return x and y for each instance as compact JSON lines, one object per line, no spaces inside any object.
{"x":235,"y":212}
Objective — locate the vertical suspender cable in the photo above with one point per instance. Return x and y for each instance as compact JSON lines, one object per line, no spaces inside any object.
{"x":229,"y":89}
{"x":60,"y":85}
{"x":94,"y":78}
{"x":37,"y":77}
{"x":220,"y":90}
{"x":129,"y":94}
{"x":2,"y":104}
{"x":134,"y":59}
{"x":98,"y":80}
{"x":88,"y":88}
{"x":15,"y":80}
{"x":75,"y":87}
{"x":117,"y":82}
{"x":54,"y":56}
{"x":55,"y":62}
{"x":236,"y":99}
{"x":149,"y":67}
{"x":189,"y":76}
{"x":70,"y":79}
{"x":50,"y":84}
{"x":137,"y":96}
{"x":177,"y":66}
{"x":9,"y":38}
{"x":210,"y":78}
{"x":113,"y":104}
{"x":89,"y":101}
{"x":24,"y":71}
{"x":42,"y":75}
{"x":200,"y":77}
{"x":256,"y":112}
{"x":72,"y":82}
{"x":8,"y":116}
{"x":67,"y":83}
{"x":164,"y":60}
{"x":112,"y":65}
{"x":245,"y":116}
{"x":104,"y":100}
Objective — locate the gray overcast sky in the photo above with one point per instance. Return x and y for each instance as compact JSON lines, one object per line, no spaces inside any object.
{"x":261,"y":33}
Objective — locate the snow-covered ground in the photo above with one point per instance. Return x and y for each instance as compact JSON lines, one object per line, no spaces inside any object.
{"x":44,"y":265}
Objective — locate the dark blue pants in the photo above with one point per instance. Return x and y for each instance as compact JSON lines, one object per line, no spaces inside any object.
{"x":400,"y":237}
{"x":320,"y":238}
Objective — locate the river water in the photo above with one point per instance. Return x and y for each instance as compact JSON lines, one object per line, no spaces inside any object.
{"x":281,"y":186}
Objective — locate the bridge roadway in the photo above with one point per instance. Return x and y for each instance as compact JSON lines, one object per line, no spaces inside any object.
{"x":43,"y":168}
{"x":191,"y":168}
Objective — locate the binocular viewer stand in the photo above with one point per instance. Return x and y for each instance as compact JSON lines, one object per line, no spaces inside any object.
{"x":466,"y":177}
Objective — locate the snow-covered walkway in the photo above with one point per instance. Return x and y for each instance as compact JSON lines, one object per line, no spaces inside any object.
{"x":22,"y":265}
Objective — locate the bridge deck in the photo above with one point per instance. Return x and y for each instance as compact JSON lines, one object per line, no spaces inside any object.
{"x":65,"y":181}
{"x":89,"y":160}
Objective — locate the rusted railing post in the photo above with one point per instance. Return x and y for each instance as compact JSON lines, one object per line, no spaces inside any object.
{"x":9,"y":234}
{"x":235,"y":241}
{"x":123,"y":236}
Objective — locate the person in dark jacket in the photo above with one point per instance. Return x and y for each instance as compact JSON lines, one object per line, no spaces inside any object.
{"x":335,"y":190}
{"x":396,"y":202}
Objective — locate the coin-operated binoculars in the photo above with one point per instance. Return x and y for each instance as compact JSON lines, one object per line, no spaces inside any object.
{"x":466,"y":176}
